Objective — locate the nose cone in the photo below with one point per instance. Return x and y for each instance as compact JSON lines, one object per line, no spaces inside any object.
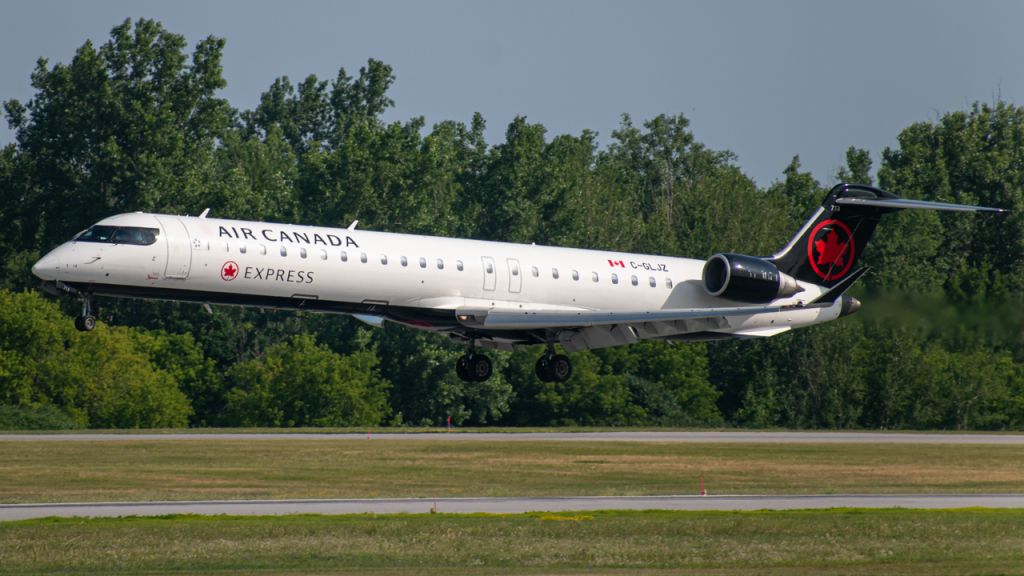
{"x":48,"y":266}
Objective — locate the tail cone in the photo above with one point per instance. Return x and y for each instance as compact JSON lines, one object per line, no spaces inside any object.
{"x":849,"y":305}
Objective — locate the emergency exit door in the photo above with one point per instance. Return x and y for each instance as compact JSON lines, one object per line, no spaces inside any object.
{"x":490,"y":274}
{"x":515,"y":277}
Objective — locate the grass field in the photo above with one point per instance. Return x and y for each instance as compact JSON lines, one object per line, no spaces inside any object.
{"x":229,"y":469}
{"x":816,"y":542}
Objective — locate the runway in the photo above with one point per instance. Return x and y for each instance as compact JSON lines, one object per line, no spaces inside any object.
{"x":509,"y":505}
{"x":747,"y":437}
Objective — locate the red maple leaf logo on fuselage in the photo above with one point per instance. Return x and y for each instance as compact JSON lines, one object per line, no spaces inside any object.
{"x":229,"y":271}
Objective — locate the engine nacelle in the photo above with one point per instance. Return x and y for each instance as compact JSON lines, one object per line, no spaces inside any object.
{"x":747,"y":279}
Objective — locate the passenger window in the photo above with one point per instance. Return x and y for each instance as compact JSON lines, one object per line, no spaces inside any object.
{"x":404,"y":261}
{"x":423,"y":262}
{"x":634,"y":280}
{"x":440,"y":264}
{"x":490,"y":268}
{"x":535,"y":272}
{"x":284,"y":250}
{"x":323,"y":254}
{"x":263,"y":250}
{"x":668,"y":282}
{"x":615,"y":278}
{"x":458,"y":265}
{"x":594,"y":276}
{"x":302,"y":252}
{"x":241,"y":249}
{"x":515,"y":270}
{"x":554,"y":273}
{"x":362,"y":257}
{"x":653,"y":282}
{"x":384,"y":259}
{"x":575,"y":275}
{"x":344,"y":256}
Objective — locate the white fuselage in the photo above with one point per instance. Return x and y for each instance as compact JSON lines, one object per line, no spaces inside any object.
{"x":364,"y":272}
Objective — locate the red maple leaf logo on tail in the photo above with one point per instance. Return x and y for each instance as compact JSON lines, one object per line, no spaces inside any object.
{"x":830,"y":251}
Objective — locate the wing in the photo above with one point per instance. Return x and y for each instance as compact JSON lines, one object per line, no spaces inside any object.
{"x":586,"y":329}
{"x":559,"y":319}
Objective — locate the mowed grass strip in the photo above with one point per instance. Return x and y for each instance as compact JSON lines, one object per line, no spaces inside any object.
{"x":806,"y":542}
{"x":270,"y":469}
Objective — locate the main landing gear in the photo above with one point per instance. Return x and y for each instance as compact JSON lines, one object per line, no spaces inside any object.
{"x":553,"y":367}
{"x":87,"y":321}
{"x":473,"y":367}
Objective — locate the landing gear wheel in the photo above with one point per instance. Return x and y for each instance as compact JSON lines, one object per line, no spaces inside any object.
{"x":473,"y":367}
{"x":560,"y":368}
{"x":85,"y":323}
{"x":462,"y":368}
{"x":543,"y":368}
{"x":479,"y":367}
{"x":554,"y":368}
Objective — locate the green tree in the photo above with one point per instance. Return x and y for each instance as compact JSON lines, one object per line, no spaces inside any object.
{"x":128,"y":126}
{"x":101,"y":379}
{"x":301,"y":383}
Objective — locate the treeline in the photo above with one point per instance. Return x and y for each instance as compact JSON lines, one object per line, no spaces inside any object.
{"x":136,"y":124}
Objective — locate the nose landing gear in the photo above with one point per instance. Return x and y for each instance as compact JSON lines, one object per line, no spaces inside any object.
{"x":87,"y":321}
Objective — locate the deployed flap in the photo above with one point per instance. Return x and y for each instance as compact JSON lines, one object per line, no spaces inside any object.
{"x":540,"y":319}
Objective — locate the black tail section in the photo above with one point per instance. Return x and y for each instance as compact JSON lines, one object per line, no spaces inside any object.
{"x":825,"y":251}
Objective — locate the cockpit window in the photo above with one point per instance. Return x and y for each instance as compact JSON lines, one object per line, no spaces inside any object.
{"x":119,"y":235}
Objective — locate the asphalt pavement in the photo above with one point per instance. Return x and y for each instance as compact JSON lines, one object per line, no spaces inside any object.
{"x":749,"y":437}
{"x":509,"y":505}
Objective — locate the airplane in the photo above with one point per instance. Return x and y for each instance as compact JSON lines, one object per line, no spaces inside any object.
{"x":483,"y":294}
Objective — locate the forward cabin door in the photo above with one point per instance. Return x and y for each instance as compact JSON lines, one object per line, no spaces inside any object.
{"x":515,"y":277}
{"x":179,"y":247}
{"x":490,"y":274}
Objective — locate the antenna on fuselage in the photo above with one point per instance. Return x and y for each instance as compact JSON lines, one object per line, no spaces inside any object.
{"x":205,"y":212}
{"x":352,"y":226}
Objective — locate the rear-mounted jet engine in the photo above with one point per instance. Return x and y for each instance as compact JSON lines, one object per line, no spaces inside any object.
{"x":747,"y":279}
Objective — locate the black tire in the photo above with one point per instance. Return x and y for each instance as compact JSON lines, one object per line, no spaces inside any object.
{"x":88,"y":323}
{"x":79,"y":325}
{"x":462,"y":368}
{"x":560,"y":368}
{"x":543,"y":368}
{"x":480,"y":367}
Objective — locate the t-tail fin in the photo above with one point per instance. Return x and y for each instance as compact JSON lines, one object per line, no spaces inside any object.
{"x":825,"y":251}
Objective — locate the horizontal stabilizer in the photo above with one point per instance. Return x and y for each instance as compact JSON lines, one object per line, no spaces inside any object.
{"x":904,"y":204}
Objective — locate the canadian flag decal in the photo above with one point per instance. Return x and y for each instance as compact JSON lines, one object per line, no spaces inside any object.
{"x":614,"y":263}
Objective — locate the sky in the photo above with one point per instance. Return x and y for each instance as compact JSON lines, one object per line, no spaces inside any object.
{"x":765,"y":80}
